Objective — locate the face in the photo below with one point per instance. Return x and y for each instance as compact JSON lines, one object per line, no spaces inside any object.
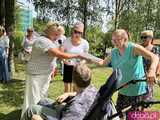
{"x":118,"y":41}
{"x":146,"y":40}
{"x":30,"y":32}
{"x":77,"y":34}
{"x":55,"y":35}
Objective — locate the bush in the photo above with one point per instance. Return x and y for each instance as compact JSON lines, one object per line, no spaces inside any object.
{"x":19,"y":35}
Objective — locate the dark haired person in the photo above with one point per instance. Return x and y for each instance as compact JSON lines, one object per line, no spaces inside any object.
{"x":75,"y":108}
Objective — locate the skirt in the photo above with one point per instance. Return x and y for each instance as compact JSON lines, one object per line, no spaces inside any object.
{"x":67,"y":73}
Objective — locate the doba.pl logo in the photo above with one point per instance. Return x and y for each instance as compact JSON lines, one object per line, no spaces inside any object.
{"x":147,"y":115}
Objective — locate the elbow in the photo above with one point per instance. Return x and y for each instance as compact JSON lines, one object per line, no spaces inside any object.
{"x":155,"y":59}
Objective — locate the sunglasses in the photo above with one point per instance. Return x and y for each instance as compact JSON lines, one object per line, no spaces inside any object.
{"x":77,"y":32}
{"x":145,"y":37}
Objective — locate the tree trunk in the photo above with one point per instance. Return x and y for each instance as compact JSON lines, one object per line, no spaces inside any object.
{"x":2,"y":12}
{"x":85,"y":17}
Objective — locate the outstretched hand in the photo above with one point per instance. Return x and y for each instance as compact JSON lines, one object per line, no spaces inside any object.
{"x":62,"y":98}
{"x":36,"y":117}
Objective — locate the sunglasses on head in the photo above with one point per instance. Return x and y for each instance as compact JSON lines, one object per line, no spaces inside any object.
{"x":77,"y":32}
{"x":145,"y":37}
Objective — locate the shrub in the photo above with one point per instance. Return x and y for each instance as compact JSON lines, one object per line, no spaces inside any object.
{"x":19,"y":35}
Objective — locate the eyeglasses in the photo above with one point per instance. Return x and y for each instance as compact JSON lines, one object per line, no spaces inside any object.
{"x":145,"y":37}
{"x":77,"y":32}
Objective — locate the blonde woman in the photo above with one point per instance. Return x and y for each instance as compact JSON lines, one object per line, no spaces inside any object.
{"x":74,"y":44}
{"x":127,"y":56}
{"x":39,"y":66}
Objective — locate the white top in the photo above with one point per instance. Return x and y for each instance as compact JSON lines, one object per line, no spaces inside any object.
{"x":70,"y":48}
{"x":27,"y":44}
{"x":40,"y":59}
{"x":4,"y":41}
{"x":62,"y":38}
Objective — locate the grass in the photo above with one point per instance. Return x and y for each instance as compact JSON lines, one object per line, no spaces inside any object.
{"x":11,"y":95}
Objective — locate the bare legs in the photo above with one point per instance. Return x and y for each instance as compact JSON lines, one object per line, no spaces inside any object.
{"x":68,"y":87}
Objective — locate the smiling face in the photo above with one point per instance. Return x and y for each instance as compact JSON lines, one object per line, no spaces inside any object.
{"x":77,"y":31}
{"x":76,"y":34}
{"x":119,"y":38}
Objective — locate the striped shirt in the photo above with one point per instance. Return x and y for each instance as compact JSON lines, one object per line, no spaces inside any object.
{"x":40,"y":59}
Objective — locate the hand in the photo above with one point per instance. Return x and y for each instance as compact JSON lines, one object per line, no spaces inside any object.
{"x":36,"y":117}
{"x":63,"y":97}
{"x":151,"y":77}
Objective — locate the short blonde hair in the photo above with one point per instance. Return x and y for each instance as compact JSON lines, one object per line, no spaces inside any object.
{"x":148,"y":33}
{"x":61,"y":29}
{"x":122,"y":33}
{"x":51,"y":27}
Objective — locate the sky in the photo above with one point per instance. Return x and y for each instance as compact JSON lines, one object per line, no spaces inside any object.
{"x":28,"y":3}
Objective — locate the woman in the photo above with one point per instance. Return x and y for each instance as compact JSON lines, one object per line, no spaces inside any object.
{"x":127,"y":57}
{"x":75,"y":44}
{"x":27,"y":44}
{"x":147,"y":40}
{"x":39,"y":66}
{"x":4,"y":50}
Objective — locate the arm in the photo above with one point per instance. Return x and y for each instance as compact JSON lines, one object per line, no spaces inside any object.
{"x":139,"y":50}
{"x":7,"y":44}
{"x":106,"y":61}
{"x":56,"y":52}
{"x":63,"y":97}
{"x":75,"y":111}
{"x":36,"y":117}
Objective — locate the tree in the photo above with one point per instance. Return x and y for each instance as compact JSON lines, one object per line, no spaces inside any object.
{"x":2,"y":12}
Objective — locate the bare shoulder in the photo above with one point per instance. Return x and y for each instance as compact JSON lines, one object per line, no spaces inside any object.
{"x":138,"y":49}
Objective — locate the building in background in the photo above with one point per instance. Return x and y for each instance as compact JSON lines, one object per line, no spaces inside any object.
{"x":25,"y":13}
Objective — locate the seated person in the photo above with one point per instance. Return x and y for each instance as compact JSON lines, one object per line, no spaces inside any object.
{"x":75,"y":108}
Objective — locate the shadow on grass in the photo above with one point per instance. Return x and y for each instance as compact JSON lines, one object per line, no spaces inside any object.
{"x":11,"y":95}
{"x":14,"y":115}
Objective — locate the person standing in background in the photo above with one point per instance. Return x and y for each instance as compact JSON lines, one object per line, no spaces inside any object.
{"x":4,"y":51}
{"x":27,"y":44}
{"x":74,"y":44}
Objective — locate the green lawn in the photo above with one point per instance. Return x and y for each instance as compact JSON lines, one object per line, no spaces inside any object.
{"x":11,"y":95}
